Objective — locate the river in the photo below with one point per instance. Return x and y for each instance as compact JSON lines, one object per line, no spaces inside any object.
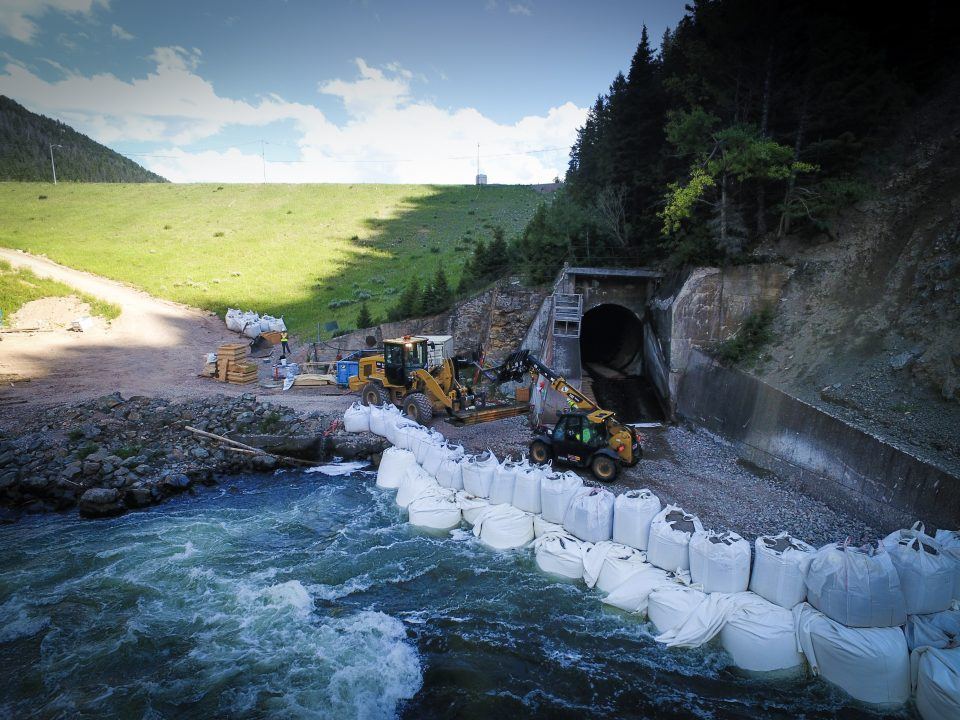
{"x":302,"y":595}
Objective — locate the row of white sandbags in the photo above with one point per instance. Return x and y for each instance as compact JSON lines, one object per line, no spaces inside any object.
{"x":251,"y":324}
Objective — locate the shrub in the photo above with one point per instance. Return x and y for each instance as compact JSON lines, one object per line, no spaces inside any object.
{"x":746,"y":344}
{"x":334,"y":304}
{"x":127,"y":451}
{"x":219,"y":233}
{"x":75,"y":435}
{"x":87,"y":450}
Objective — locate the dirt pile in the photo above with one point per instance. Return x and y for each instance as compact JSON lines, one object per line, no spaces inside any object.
{"x":50,"y":313}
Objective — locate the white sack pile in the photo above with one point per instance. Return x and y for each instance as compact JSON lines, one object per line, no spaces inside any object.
{"x":503,"y":527}
{"x":720,"y":561}
{"x":926,"y":573}
{"x":560,"y":553}
{"x":590,"y":515}
{"x":557,"y":490}
{"x":935,"y":678}
{"x":478,"y":472}
{"x":356,"y":418}
{"x":780,"y":569}
{"x":633,"y":512}
{"x":436,"y":509}
{"x":607,"y":565}
{"x":670,"y":533}
{"x":394,"y":464}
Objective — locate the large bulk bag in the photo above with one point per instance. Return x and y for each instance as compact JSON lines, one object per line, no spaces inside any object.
{"x":397,"y":428}
{"x":429,"y":441}
{"x":633,"y":512}
{"x":478,"y":471}
{"x":590,"y":515}
{"x":761,"y":636}
{"x":557,"y":490}
{"x":503,"y":526}
{"x":669,"y":543}
{"x":633,"y":593}
{"x":436,"y":456}
{"x":939,"y":630}
{"x":437,"y":509}
{"x":935,"y":678}
{"x":703,"y":623}
{"x":780,"y":569}
{"x":356,"y":418}
{"x":378,"y":420}
{"x":408,"y":436}
{"x":560,"y":553}
{"x":450,"y":473}
{"x":926,"y":573}
{"x":542,"y":527}
{"x":856,"y":586}
{"x":950,"y":542}
{"x":871,"y":664}
{"x":607,"y":565}
{"x":234,"y":320}
{"x":669,"y":605}
{"x":415,"y":483}
{"x":471,"y":506}
{"x":720,"y":561}
{"x":526,"y":489}
{"x":504,"y":480}
{"x":393,"y":466}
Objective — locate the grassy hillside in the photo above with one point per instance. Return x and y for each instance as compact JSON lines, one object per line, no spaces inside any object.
{"x":20,"y":286}
{"x":288,"y":250}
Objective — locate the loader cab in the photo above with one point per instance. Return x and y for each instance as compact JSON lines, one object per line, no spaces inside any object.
{"x":576,"y":439}
{"x":402,"y":356}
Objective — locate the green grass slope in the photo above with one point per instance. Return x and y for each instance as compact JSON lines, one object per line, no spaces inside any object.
{"x":20,"y":286}
{"x":290,"y":250}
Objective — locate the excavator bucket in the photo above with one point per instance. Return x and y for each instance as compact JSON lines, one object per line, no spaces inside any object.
{"x":489,"y":414}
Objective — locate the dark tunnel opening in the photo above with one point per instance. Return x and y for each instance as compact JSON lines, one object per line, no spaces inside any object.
{"x":611,"y":353}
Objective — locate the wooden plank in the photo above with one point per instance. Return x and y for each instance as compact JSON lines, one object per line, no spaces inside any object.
{"x":222,"y":366}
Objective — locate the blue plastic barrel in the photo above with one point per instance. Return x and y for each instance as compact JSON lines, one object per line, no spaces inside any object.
{"x":346,"y":369}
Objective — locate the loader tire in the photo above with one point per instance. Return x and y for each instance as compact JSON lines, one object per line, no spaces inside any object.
{"x":604,"y":468}
{"x":417,"y":406}
{"x":373,"y":394}
{"x":540,"y":452}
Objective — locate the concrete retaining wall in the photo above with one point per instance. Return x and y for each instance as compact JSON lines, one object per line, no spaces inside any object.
{"x":826,"y":457}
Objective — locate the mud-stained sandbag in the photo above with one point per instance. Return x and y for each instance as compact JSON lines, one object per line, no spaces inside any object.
{"x":437,"y":454}
{"x":669,"y":544}
{"x":939,"y":630}
{"x":503,"y":527}
{"x":926,"y":573}
{"x":471,"y":506}
{"x":780,"y":569}
{"x":950,"y":542}
{"x":557,"y":490}
{"x":935,"y":678}
{"x":542,"y":527}
{"x":633,"y":512}
{"x":590,"y":515}
{"x":871,"y":664}
{"x":429,"y":441}
{"x":356,"y":418}
{"x":450,"y":474}
{"x":560,"y":553}
{"x":856,"y":586}
{"x":761,"y":636}
{"x":478,"y":472}
{"x":503,"y":483}
{"x":607,"y":565}
{"x":526,"y":490}
{"x":670,"y":605}
{"x":394,"y":464}
{"x":416,"y":482}
{"x":720,"y":561}
{"x":633,"y":593}
{"x":437,"y":509}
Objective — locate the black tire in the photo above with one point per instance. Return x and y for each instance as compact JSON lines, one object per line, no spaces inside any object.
{"x":417,"y":406}
{"x":604,"y":468}
{"x":373,"y":394}
{"x":540,"y":452}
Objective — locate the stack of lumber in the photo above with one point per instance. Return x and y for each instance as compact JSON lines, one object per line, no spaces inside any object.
{"x":232,"y":364}
{"x":312,"y":380}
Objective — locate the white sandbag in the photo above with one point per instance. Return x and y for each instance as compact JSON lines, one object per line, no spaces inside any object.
{"x":526,"y":489}
{"x":856,"y":586}
{"x":669,"y":542}
{"x":408,"y":436}
{"x":429,"y":441}
{"x":633,"y":512}
{"x":478,"y":472}
{"x":503,"y":526}
{"x":935,"y":678}
{"x":926,"y":573}
{"x":950,"y":542}
{"x":871,"y":664}
{"x":702,"y":624}
{"x":607,"y":565}
{"x":542,"y":527}
{"x":761,"y":636}
{"x":504,"y":480}
{"x":669,"y":605}
{"x":234,"y":320}
{"x":780,"y":569}
{"x":436,"y":456}
{"x":590,"y":515}
{"x":560,"y":553}
{"x":557,"y":490}
{"x":450,"y":474}
{"x":397,"y":428}
{"x":356,"y":418}
{"x":939,"y":630}
{"x":633,"y":593}
{"x":394,"y":464}
{"x":379,"y":417}
{"x":471,"y":506}
{"x":437,"y":510}
{"x":415,"y":482}
{"x":720,"y":561}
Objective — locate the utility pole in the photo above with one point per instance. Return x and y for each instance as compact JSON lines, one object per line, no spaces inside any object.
{"x":263,"y":162}
{"x":53,"y":165}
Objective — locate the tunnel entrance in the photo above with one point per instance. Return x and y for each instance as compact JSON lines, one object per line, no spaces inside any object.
{"x":611,"y":353}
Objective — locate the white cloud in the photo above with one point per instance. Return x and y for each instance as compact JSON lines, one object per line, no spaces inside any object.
{"x":374,"y":91}
{"x":17,"y":16}
{"x":520,"y":8}
{"x":121,"y":34}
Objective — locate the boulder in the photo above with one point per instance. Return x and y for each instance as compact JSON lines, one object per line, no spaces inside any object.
{"x":101,"y":502}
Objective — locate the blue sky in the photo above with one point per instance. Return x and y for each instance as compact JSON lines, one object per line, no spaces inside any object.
{"x":337,"y":91}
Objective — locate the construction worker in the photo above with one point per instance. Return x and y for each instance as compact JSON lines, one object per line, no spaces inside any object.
{"x":284,"y":344}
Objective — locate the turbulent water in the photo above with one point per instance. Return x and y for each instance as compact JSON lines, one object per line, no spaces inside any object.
{"x":300,"y":595}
